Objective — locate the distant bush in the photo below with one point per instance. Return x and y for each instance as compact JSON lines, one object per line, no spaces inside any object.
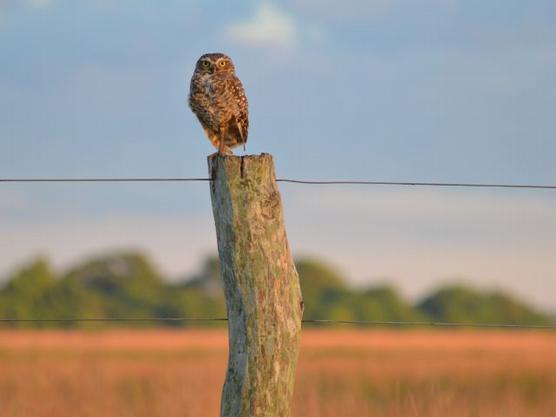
{"x":128,"y":285}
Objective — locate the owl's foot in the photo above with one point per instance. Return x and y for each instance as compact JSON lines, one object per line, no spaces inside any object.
{"x":225,"y":151}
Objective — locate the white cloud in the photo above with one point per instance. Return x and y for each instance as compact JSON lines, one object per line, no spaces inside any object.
{"x":268,"y":26}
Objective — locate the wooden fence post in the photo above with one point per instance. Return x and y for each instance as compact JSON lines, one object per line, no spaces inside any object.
{"x":261,"y":284}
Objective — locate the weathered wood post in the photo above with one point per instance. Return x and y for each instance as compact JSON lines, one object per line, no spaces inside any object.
{"x":261,"y":284}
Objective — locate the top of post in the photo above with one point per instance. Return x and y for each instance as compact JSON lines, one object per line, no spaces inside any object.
{"x":240,"y":167}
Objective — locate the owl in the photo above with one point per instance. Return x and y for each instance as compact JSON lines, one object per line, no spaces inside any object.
{"x":217,"y":98}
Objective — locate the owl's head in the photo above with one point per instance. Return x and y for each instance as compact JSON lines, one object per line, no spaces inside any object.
{"x":214,"y":63}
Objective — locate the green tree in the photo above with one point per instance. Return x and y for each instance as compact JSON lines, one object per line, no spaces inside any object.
{"x":462,"y":304}
{"x":324,"y":290}
{"x":24,"y":295}
{"x":127,"y":284}
{"x":384,"y":303}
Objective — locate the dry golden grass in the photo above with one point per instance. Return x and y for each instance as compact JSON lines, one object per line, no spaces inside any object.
{"x":124,"y":373}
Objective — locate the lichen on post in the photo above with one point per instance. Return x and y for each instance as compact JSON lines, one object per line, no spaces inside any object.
{"x":261,"y":284}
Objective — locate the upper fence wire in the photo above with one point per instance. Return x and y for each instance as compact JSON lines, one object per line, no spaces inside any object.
{"x":288,"y":180}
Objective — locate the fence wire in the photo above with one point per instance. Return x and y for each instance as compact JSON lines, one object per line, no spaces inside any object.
{"x":288,"y":180}
{"x":293,"y":181}
{"x":368,"y":323}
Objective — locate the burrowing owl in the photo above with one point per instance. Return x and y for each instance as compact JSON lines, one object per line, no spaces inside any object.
{"x":217,"y":98}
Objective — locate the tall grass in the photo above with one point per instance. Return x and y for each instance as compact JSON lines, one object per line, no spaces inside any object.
{"x":123,"y":373}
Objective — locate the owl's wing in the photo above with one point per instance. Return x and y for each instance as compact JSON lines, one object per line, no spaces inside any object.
{"x":241,"y":111}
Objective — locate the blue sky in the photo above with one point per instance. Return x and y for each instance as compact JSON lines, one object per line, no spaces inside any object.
{"x":429,"y":90}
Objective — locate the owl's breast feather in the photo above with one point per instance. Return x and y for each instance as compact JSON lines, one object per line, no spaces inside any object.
{"x":206,"y":85}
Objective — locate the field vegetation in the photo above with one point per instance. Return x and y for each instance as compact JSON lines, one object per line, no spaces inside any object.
{"x":179,"y":372}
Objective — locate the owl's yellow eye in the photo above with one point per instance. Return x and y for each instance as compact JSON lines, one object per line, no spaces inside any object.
{"x":222,"y":64}
{"x":205,"y":64}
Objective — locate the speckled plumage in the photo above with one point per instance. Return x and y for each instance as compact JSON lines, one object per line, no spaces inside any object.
{"x":217,"y":98}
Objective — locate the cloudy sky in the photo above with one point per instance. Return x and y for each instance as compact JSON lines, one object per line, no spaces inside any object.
{"x":427,"y":90}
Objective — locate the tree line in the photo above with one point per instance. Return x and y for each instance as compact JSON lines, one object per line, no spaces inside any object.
{"x":128,"y":285}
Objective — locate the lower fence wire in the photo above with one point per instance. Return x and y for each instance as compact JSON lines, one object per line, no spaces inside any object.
{"x":369,"y":323}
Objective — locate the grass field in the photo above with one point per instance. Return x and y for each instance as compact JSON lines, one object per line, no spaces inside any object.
{"x":124,"y":373}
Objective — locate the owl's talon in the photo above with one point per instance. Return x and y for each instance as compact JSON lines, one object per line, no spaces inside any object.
{"x":225,"y":152}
